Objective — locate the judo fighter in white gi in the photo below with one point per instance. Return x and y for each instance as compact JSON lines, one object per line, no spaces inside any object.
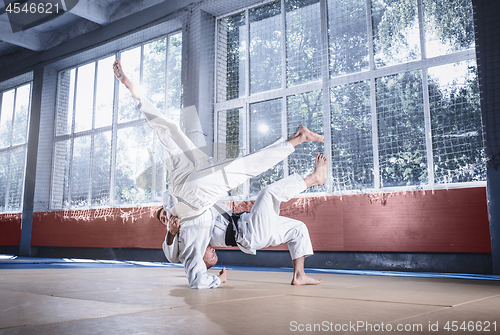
{"x":195,"y":185}
{"x":261,"y":228}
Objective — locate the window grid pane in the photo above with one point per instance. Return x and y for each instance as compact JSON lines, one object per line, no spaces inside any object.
{"x":84,"y":97}
{"x":154,"y":58}
{"x":231,"y":60}
{"x":6,"y":114}
{"x":401,"y":130}
{"x":351,"y":127}
{"x":131,"y":61}
{"x":305,"y":110}
{"x":133,"y":165}
{"x":82,"y":172}
{"x":230,"y":139}
{"x":388,"y":108}
{"x":303,"y":41}
{"x":16,"y":179}
{"x":4,"y":170}
{"x":174,"y":87}
{"x":265,"y":47}
{"x":348,"y":40}
{"x":104,"y":93}
{"x":448,"y":25}
{"x":65,"y":102}
{"x":101,"y":165}
{"x":265,"y":129}
{"x":456,"y":124}
{"x":21,"y":115}
{"x":396,"y":36}
{"x":60,"y":175}
{"x":14,"y":116}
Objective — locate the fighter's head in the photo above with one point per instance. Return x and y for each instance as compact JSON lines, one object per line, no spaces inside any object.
{"x":161,"y":215}
{"x":210,"y":257}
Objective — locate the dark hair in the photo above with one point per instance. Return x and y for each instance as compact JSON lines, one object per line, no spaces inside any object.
{"x":158,"y":213}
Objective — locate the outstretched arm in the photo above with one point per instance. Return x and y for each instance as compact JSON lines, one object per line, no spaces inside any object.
{"x":117,"y":69}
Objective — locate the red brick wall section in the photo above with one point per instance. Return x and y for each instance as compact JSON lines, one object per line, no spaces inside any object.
{"x":106,"y":228}
{"x":419,"y":221}
{"x":10,"y":229}
{"x":453,"y":220}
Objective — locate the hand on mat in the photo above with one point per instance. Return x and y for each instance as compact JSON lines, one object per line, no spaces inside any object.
{"x":222,"y":275}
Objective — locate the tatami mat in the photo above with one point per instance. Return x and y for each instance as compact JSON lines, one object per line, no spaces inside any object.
{"x":68,"y":296}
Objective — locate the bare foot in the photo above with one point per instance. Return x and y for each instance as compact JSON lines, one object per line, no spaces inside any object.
{"x":318,"y":176}
{"x":305,"y":135}
{"x":303,"y":279}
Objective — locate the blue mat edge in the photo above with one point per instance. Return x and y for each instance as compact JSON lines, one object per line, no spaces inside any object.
{"x":15,"y":262}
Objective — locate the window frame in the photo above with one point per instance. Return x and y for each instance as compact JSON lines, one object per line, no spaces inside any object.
{"x":8,"y":149}
{"x":115,"y":126}
{"x":326,"y":82}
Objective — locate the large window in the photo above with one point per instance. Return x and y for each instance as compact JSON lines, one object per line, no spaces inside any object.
{"x":105,"y":154}
{"x":392,"y":84}
{"x":14,"y":115}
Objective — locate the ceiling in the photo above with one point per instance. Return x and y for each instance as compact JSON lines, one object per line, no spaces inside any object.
{"x":24,"y":33}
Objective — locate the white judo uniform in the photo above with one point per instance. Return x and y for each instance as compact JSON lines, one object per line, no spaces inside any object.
{"x":195,"y":185}
{"x":262,"y":227}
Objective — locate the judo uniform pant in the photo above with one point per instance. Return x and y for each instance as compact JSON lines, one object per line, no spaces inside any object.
{"x":264,"y":227}
{"x":192,"y":179}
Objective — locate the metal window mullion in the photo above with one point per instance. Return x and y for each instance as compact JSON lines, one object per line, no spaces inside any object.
{"x":284,"y":123}
{"x":247,"y":51}
{"x":425,"y":87}
{"x":246,"y":106}
{"x":428,"y":127}
{"x":151,"y":158}
{"x":141,"y":65}
{"x":325,"y":91}
{"x":114,"y":139}
{"x":215,"y":149}
{"x":284,"y":128}
{"x":166,"y":108}
{"x":423,"y":50}
{"x":373,"y":97}
{"x":283,"y":45}
{"x":216,"y":63}
{"x":51,"y":184}
{"x":9,"y":167}
{"x":72,"y":141}
{"x":376,"y":157}
{"x":246,"y":143}
{"x":11,"y":135}
{"x":25,"y":147}
{"x":92,"y":135}
{"x":153,"y":169}
{"x":14,"y":147}
{"x":7,"y":187}
{"x":167,"y":49}
{"x":70,"y":171}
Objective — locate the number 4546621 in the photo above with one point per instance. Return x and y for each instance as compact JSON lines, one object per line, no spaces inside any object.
{"x":32,"y":8}
{"x":472,"y":326}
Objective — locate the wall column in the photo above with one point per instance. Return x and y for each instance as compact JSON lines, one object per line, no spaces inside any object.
{"x":487,"y":33}
{"x":31,"y":159}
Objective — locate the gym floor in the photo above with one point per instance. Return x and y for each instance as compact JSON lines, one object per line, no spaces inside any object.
{"x":71,"y":296}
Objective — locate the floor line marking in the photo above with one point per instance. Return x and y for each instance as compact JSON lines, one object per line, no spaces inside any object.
{"x":372,"y":300}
